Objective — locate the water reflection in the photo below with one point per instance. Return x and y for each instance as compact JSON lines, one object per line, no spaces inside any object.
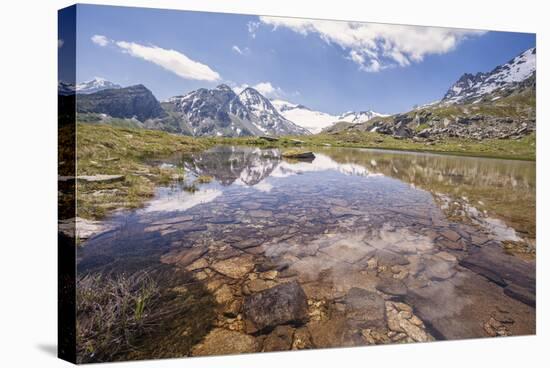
{"x":501,"y":192}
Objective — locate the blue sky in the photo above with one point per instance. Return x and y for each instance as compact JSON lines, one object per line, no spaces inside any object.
{"x":325,"y":65}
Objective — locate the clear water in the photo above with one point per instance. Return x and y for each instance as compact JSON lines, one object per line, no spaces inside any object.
{"x":399,"y":225}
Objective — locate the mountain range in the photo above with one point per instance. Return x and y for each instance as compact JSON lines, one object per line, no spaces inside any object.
{"x":495,"y":104}
{"x":204,"y":112}
{"x":221,"y":112}
{"x":498,"y":103}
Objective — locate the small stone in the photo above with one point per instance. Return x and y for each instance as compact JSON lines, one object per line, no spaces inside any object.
{"x":302,"y":339}
{"x":391,"y":286}
{"x":197,"y":265}
{"x":402,"y":307}
{"x":257,"y":285}
{"x":413,"y":331}
{"x":446,"y":256}
{"x":454,"y":245}
{"x":236,"y":267}
{"x":450,"y":234}
{"x":279,"y":339}
{"x":220,"y":341}
{"x":416,"y":321}
{"x":269,"y":275}
{"x":388,"y":258}
{"x":233,"y":308}
{"x":223,"y":295}
{"x":374,"y":336}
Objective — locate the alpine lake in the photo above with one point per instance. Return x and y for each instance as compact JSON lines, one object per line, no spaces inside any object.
{"x":353,"y":247}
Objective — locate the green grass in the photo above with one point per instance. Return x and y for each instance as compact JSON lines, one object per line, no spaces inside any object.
{"x":421,"y":127}
{"x":204,"y":179}
{"x":104,"y":149}
{"x":520,"y":149}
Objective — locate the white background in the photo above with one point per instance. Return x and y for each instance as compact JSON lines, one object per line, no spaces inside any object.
{"x":28,"y":53}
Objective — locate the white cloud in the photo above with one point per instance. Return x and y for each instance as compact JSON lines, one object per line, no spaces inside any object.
{"x":100,"y":40}
{"x":375,"y":46}
{"x":237,"y":49}
{"x":60,"y":43}
{"x":265,"y":88}
{"x":240,"y":51}
{"x":252,"y":28}
{"x":171,"y":60}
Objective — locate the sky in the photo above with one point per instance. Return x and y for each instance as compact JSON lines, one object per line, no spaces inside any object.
{"x":330,"y":66}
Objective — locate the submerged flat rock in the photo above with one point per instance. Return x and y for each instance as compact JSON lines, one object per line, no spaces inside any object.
{"x":104,"y":178}
{"x":458,"y":308}
{"x":514,"y":273}
{"x":365,"y":308}
{"x":236,"y":267}
{"x":183,"y":257}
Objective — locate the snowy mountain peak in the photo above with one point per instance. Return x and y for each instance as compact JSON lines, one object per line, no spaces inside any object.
{"x":359,"y":117}
{"x":471,"y":86}
{"x":316,"y":121}
{"x":95,"y":85}
{"x":312,"y":120}
{"x":256,"y":102}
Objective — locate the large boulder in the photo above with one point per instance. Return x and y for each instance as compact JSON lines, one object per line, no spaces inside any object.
{"x":279,"y":305}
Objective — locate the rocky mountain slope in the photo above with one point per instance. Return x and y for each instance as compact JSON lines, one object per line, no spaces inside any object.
{"x":221,"y":112}
{"x":134,"y":102}
{"x":269,"y":120}
{"x":497,"y":104}
{"x":470,"y":87}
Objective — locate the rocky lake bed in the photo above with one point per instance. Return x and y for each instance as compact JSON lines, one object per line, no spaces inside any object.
{"x":351,"y":247}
